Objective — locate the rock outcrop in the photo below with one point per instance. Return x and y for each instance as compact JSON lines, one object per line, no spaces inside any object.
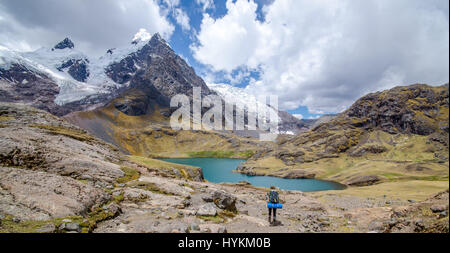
{"x":77,"y":68}
{"x":299,"y":173}
{"x":20,"y":85}
{"x":52,"y":145}
{"x":224,"y":200}
{"x":408,"y":109}
{"x":66,"y":43}
{"x":208,"y":209}
{"x":418,"y":109}
{"x":363,"y":180}
{"x":37,"y":195}
{"x":369,"y":149}
{"x":50,"y":168}
{"x":157,"y":64}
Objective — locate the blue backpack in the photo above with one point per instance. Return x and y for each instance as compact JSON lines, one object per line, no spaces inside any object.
{"x":273,"y":197}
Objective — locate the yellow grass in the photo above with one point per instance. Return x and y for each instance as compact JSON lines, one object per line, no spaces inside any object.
{"x":415,"y":190}
{"x":153,"y":163}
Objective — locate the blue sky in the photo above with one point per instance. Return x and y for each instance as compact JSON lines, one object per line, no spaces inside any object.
{"x":181,"y":40}
{"x":317,"y":56}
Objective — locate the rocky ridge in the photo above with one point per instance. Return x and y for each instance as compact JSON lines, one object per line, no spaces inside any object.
{"x":374,"y":126}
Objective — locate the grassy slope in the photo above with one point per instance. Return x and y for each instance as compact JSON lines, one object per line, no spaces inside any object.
{"x":151,"y":136}
{"x":154,"y":163}
{"x":417,"y":190}
{"x":166,"y":168}
{"x":396,"y":164}
{"x":407,"y":157}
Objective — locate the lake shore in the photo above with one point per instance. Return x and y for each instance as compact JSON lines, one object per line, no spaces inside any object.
{"x":223,"y":170}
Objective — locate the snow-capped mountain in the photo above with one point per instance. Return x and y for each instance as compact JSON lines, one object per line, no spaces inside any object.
{"x":76,"y":74}
{"x":240,"y":97}
{"x":61,"y":79}
{"x":287,"y":124}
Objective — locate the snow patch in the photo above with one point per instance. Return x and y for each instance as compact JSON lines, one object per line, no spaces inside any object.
{"x":142,"y":35}
{"x":241,"y":98}
{"x":46,"y":61}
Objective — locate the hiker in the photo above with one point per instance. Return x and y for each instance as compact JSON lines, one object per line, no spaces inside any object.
{"x":273,"y":203}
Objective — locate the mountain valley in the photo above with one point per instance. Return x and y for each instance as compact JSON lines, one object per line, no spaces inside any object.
{"x":80,"y":138}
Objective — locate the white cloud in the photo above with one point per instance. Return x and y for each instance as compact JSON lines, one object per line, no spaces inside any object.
{"x":172,"y":3}
{"x":326,"y":53}
{"x":298,"y":116}
{"x":237,"y":78}
{"x":94,"y":26}
{"x":142,"y":35}
{"x":178,"y":14}
{"x":206,"y":4}
{"x":229,"y":42}
{"x":182,"y":19}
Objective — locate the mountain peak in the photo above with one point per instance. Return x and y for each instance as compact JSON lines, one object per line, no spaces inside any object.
{"x":66,"y":43}
{"x":144,"y":36}
{"x":157,"y":36}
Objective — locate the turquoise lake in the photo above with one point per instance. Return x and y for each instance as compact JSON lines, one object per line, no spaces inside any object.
{"x":220,"y":170}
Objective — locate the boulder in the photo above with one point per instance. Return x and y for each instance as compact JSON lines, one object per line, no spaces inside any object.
{"x":224,"y":200}
{"x":212,"y":228}
{"x":363,"y":180}
{"x":70,"y":227}
{"x":181,"y":228}
{"x":438,"y":208}
{"x":207,"y":198}
{"x":250,"y":173}
{"x":48,"y":228}
{"x":73,"y":227}
{"x":246,"y":170}
{"x":208,"y":209}
{"x":134,"y":194}
{"x":113,"y":208}
{"x":194,"y":227}
{"x":377,"y":226}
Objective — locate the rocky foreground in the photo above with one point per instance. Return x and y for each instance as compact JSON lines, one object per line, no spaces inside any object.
{"x":55,"y":177}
